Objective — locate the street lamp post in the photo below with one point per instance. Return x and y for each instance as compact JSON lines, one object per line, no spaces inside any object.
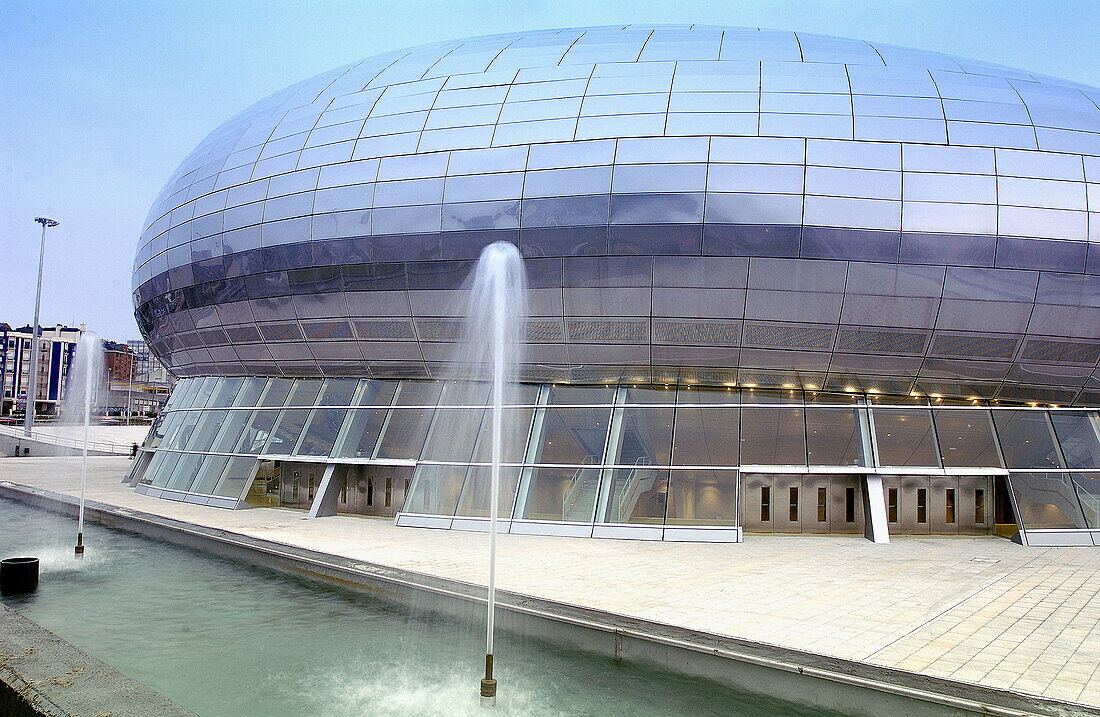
{"x":32,"y":387}
{"x":129,"y":386}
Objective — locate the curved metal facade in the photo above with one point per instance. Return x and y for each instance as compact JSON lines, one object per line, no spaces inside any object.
{"x":697,"y":204}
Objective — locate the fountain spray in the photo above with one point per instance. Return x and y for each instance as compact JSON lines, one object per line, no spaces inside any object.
{"x":81,"y":395}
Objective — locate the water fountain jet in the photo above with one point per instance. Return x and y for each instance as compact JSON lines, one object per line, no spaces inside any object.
{"x":84,"y":390}
{"x":496,"y":330}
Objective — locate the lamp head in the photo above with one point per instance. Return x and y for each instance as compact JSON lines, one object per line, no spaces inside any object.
{"x":46,"y":222}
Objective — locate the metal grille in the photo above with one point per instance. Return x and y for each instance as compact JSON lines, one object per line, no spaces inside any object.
{"x":795,"y":337}
{"x":589,"y":330}
{"x":1061,"y":351}
{"x":189,"y":340}
{"x":242,"y":334}
{"x":327,"y":330}
{"x":544,"y":331}
{"x":1035,"y":393}
{"x":973,"y":346}
{"x":439,"y":329}
{"x":888,"y":342}
{"x":392,"y":330}
{"x":724,"y":333}
{"x":213,"y":337}
{"x":281,"y":332}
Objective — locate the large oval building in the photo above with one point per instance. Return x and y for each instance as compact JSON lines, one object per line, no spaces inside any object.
{"x":741,"y":244}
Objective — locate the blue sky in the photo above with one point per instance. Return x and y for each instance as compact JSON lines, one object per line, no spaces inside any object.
{"x":100,"y":101}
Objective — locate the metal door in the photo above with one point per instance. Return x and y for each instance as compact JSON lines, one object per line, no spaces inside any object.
{"x":891,"y":495}
{"x":757,"y":502}
{"x":787,"y":503}
{"x":943,"y":505}
{"x":815,"y":504}
{"x":845,"y":504}
{"x":975,"y":510}
{"x":914,"y":505}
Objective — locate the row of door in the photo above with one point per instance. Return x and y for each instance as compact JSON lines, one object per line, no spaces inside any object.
{"x":373,"y":490}
{"x":915,"y":505}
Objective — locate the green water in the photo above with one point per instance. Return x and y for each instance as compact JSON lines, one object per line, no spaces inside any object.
{"x":224,"y":638}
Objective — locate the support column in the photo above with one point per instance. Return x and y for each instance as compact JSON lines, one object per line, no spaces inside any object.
{"x":876,"y":529}
{"x":328,"y":494}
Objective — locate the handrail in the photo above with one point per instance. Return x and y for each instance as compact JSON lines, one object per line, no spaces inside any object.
{"x":55,"y":440}
{"x":576,"y":485}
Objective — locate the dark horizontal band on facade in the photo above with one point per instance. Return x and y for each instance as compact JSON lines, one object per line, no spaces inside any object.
{"x":738,"y":240}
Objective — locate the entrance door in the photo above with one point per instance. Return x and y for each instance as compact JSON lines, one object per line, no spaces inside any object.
{"x":975,"y":509}
{"x":816,"y":510}
{"x":1004,"y":515}
{"x":845,"y":504}
{"x":913,"y":506}
{"x":787,"y":497}
{"x":756,"y":502}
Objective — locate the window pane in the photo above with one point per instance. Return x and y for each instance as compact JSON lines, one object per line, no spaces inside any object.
{"x":560,"y":494}
{"x":697,"y":497}
{"x":833,"y":437}
{"x":406,"y":428}
{"x":1088,"y":493}
{"x":304,"y":392}
{"x":435,"y":489}
{"x":250,"y":392}
{"x":1026,"y":439}
{"x":276,"y":392}
{"x":178,"y":438}
{"x":643,"y":436}
{"x":257,"y":431}
{"x":636,"y":495}
{"x":209,"y":423}
{"x":185,"y":471}
{"x":474,"y":500}
{"x":164,"y":470}
{"x":319,"y":436}
{"x":360,"y":432}
{"x":772,"y":436}
{"x":286,"y":432}
{"x":208,"y":475}
{"x":225,"y":392}
{"x":235,"y":477}
{"x":1079,"y":436}
{"x":338,"y":392}
{"x":966,"y":438}
{"x":904,"y":437}
{"x":1046,"y":500}
{"x":154,"y":466}
{"x":706,"y":436}
{"x":230,"y":431}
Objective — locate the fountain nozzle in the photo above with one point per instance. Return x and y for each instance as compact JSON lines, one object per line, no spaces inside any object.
{"x":80,"y":545}
{"x":488,"y":685}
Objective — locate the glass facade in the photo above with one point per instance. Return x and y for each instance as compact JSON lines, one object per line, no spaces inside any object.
{"x":637,"y":457}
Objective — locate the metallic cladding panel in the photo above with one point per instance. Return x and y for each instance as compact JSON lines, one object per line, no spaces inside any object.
{"x":685,"y":196}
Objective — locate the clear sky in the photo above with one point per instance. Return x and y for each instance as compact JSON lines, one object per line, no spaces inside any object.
{"x":99,"y":102}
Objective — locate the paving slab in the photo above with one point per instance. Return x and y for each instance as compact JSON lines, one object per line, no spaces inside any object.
{"x":984,"y":611}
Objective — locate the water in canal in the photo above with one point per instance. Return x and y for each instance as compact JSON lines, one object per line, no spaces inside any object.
{"x":224,"y":638}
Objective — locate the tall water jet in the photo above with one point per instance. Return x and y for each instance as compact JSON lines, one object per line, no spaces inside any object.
{"x":85,"y":390}
{"x":487,"y":356}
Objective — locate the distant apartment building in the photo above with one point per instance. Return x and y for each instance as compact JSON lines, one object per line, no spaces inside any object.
{"x":151,"y":383}
{"x":55,"y":354}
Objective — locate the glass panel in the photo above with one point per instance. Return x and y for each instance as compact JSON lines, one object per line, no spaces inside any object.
{"x":319,"y":437}
{"x":276,"y":392}
{"x":701,"y":497}
{"x":338,"y":392}
{"x":1079,"y":435}
{"x":406,"y":428}
{"x":706,"y":436}
{"x":208,"y":475}
{"x":360,"y":432}
{"x":257,"y":431}
{"x":185,"y":471}
{"x":210,"y":421}
{"x":1026,"y":438}
{"x":286,"y":432}
{"x":164,"y":472}
{"x":182,"y":393}
{"x":772,"y":436}
{"x":435,"y":489}
{"x":304,"y":392}
{"x":834,"y":434}
{"x":560,"y":494}
{"x":225,"y":392}
{"x":637,"y":495}
{"x":181,"y":435}
{"x":966,"y":438}
{"x":643,"y":436}
{"x":250,"y":392}
{"x":235,"y":477}
{"x":230,"y":431}
{"x":1088,"y":493}
{"x":1046,"y":500}
{"x":154,"y":465}
{"x":904,"y":437}
{"x":474,"y":500}
{"x":165,"y":422}
{"x":202,"y":395}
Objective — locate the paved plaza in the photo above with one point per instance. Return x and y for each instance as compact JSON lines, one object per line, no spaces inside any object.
{"x":979,"y":610}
